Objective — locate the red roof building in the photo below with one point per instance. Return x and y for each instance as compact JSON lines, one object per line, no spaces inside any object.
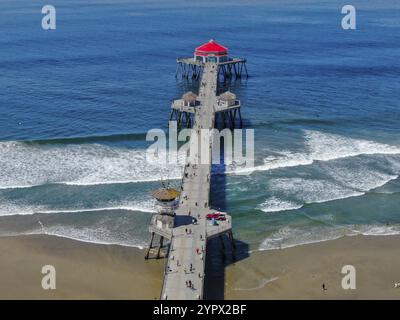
{"x":211,"y":51}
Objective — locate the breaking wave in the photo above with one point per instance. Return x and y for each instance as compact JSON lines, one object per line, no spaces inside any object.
{"x":319,"y":146}
{"x":25,"y":165}
{"x":8,"y":208}
{"x":290,"y":237}
{"x":96,"y":235}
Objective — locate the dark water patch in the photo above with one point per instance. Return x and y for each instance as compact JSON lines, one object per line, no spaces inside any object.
{"x":353,"y":71}
{"x":89,"y":139}
{"x":297,"y":121}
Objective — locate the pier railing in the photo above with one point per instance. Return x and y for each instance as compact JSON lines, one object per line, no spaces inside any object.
{"x":166,"y":259}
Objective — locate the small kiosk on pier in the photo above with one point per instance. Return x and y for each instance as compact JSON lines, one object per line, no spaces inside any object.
{"x":162,"y":222}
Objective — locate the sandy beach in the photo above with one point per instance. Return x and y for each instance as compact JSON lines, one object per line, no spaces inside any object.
{"x":94,"y":271}
{"x":299,"y":272}
{"x":83,"y":270}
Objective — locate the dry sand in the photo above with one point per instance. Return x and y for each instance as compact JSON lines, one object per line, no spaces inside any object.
{"x":83,"y":270}
{"x":94,"y":271}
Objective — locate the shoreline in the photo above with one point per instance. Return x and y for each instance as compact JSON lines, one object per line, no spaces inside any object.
{"x":107,"y":271}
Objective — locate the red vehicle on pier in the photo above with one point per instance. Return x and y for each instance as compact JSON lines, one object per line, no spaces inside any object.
{"x":217,"y":216}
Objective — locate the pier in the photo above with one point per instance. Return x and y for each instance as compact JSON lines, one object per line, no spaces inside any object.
{"x":182,"y":216}
{"x":227,"y":67}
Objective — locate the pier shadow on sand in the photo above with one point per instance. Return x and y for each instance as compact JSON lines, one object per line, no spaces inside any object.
{"x":220,"y":253}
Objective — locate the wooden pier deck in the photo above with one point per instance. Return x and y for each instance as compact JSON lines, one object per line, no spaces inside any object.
{"x":187,"y":255}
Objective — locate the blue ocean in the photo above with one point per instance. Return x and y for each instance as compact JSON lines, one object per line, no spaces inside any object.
{"x":76,"y":104}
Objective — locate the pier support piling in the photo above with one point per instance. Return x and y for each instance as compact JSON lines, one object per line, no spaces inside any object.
{"x":150,"y":247}
{"x":183,"y":119}
{"x":159,"y":248}
{"x":222,"y":243}
{"x":230,"y":118}
{"x":240,"y":119}
{"x":188,"y":68}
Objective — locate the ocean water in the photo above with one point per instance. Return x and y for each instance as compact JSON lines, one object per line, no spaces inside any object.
{"x":76,"y":104}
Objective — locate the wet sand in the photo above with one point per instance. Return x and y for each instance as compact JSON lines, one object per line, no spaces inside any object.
{"x":95,"y":271}
{"x":299,"y":272}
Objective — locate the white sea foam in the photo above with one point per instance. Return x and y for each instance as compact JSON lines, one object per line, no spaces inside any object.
{"x":96,"y":235}
{"x":290,"y":237}
{"x":307,"y":190}
{"x":274,"y":204}
{"x":342,"y":181}
{"x":361,"y":175}
{"x":319,"y":146}
{"x":303,"y":191}
{"x":8,"y":208}
{"x":24,"y":165}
